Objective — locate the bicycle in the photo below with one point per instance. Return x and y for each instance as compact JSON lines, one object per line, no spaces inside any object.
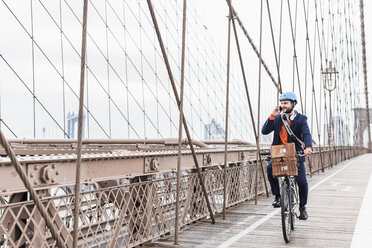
{"x":289,"y":204}
{"x":289,"y":197}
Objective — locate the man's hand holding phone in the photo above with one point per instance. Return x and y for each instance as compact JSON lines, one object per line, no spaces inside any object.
{"x":276,"y":110}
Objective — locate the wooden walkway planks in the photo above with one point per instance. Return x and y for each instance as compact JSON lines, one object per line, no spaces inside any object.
{"x":335,"y":199}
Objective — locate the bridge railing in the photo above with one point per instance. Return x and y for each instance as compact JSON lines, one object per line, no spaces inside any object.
{"x":128,"y":211}
{"x":325,"y":157}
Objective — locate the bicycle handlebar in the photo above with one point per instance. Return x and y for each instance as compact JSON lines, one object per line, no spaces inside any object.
{"x":299,"y":154}
{"x":265,"y":153}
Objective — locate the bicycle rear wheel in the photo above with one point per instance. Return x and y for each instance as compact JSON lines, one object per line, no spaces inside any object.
{"x":286,"y":206}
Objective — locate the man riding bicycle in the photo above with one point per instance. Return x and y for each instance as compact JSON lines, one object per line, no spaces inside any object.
{"x":301,"y":135}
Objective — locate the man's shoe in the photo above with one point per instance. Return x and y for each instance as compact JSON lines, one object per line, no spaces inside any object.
{"x":276,"y":202}
{"x":303,"y":213}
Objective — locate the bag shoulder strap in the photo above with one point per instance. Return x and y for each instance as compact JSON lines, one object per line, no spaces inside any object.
{"x":291,"y":134}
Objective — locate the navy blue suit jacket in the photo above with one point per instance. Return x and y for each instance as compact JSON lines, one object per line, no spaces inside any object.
{"x":299,"y":127}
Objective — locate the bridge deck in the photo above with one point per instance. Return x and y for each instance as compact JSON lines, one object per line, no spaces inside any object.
{"x":334,"y":207}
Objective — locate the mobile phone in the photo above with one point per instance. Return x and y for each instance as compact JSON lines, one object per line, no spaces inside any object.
{"x":280,"y":108}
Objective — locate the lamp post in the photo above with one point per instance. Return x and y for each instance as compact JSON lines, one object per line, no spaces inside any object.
{"x":329,"y":76}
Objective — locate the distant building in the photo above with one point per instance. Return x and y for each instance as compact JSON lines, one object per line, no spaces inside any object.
{"x":72,"y":122}
{"x":214,"y":131}
{"x":340,"y":132}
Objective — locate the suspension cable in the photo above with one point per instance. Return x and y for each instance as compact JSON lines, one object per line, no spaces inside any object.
{"x":7,"y":126}
{"x":179,"y":157}
{"x":258,"y":156}
{"x":227,"y":114}
{"x":274,"y":46}
{"x":295,"y":55}
{"x":280,"y":41}
{"x":30,"y":91}
{"x":80,"y":127}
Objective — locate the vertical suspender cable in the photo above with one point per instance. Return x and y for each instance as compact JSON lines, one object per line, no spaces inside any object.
{"x":307,"y":45}
{"x":295,"y":55}
{"x":354,"y":65}
{"x":312,"y":66}
{"x":176,"y":227}
{"x":306,"y":49}
{"x":334,"y":58}
{"x":352,"y":80}
{"x":258,"y":105}
{"x":170,"y":74}
{"x":33,"y":69}
{"x":227,"y":114}
{"x":108,"y":73}
{"x":365,"y":70}
{"x":141,"y":68}
{"x":87,"y":95}
{"x":280,"y":90}
{"x":80,"y":127}
{"x":126,"y":68}
{"x":280,"y":41}
{"x":63,"y":70}
{"x":157,"y":88}
{"x":321,"y":68}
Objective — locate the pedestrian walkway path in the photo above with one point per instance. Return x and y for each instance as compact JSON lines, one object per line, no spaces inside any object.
{"x":339,"y":208}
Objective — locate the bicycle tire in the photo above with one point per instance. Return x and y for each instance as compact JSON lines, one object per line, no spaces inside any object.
{"x":286,"y":207}
{"x":293,"y":198}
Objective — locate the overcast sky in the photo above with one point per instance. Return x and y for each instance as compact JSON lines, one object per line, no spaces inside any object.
{"x":128,"y":92}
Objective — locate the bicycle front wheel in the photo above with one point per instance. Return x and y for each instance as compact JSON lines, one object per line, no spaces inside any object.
{"x":286,"y":206}
{"x":295,"y":203}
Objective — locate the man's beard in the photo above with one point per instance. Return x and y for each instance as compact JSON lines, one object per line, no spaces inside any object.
{"x":289,"y":110}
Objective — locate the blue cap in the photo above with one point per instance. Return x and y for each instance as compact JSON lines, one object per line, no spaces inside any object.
{"x":288,"y":96}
